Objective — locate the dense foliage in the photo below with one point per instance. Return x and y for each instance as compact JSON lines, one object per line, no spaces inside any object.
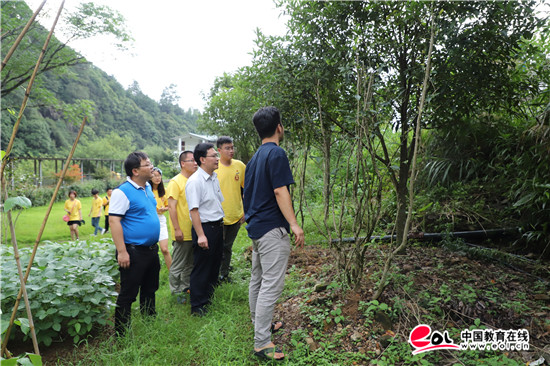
{"x":71,"y":288}
{"x":485,"y":120}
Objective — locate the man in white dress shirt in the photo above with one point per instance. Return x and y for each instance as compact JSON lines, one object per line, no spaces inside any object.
{"x":204,"y":198}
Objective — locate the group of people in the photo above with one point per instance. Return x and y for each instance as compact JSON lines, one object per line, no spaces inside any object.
{"x":207,"y":202}
{"x":73,"y":208}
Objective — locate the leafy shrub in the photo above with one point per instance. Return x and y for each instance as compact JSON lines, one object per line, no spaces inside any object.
{"x":42,"y":196}
{"x":70,"y":288}
{"x":84,"y":189}
{"x":101,"y":172}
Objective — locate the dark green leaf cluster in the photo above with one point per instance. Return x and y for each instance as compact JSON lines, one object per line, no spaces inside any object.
{"x":486,"y":114}
{"x":71,"y":288}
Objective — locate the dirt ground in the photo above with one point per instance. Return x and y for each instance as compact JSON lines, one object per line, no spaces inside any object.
{"x":429,"y":269}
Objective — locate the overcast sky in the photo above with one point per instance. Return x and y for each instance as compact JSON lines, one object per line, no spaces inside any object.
{"x":185,"y":42}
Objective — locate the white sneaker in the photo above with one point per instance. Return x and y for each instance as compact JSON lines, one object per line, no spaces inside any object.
{"x":102,"y":231}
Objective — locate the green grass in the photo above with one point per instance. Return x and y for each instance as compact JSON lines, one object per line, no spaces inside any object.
{"x":174,"y":337}
{"x":29,"y":221}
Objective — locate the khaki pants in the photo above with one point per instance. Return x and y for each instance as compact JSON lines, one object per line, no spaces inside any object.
{"x":182,"y":265}
{"x":269,"y":262}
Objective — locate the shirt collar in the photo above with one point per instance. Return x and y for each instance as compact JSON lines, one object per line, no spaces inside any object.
{"x":204,"y":174}
{"x":136,"y":186}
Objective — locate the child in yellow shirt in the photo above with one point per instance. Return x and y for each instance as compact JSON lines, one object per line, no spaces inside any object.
{"x":95,"y":211}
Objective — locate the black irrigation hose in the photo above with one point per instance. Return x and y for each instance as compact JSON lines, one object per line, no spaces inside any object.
{"x":475,"y":234}
{"x":508,"y":264}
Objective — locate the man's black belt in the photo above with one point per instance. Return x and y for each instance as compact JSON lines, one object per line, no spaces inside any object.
{"x":213,"y":223}
{"x":143,"y":247}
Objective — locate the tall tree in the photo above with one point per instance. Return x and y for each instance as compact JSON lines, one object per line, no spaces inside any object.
{"x":471,"y":72}
{"x":229,"y":112}
{"x":169,"y":98}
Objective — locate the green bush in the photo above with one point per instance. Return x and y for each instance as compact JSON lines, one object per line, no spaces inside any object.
{"x":70,"y":289}
{"x":101,"y":172}
{"x":84,"y":189}
{"x":42,"y":196}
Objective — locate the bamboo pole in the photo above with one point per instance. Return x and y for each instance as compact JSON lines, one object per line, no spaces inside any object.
{"x":21,"y":279}
{"x":28,"y":91}
{"x":40,"y":232}
{"x":21,"y":35}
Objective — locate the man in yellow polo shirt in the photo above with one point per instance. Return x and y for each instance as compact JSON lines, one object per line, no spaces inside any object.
{"x":182,"y":252}
{"x":231,"y":176}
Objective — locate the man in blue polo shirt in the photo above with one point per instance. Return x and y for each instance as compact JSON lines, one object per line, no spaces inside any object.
{"x":135,"y":228}
{"x":270,"y":217}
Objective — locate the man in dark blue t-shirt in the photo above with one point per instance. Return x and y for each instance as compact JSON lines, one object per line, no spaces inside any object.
{"x":270,"y":217}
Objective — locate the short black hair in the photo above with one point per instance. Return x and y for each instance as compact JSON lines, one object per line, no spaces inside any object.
{"x":266,"y":120}
{"x":108,"y":189}
{"x":200,"y":151}
{"x":223,"y":140}
{"x":72,"y":191}
{"x":183,"y":155}
{"x":94,"y":191}
{"x":133,"y":161}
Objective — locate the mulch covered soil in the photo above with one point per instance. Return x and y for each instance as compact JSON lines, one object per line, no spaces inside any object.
{"x":500,"y":297}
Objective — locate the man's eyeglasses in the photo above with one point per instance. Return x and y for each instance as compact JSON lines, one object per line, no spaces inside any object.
{"x":148,"y":165}
{"x":213,"y":156}
{"x":189,"y":161}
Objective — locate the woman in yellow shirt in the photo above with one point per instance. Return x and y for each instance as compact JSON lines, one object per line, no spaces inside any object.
{"x":162,"y":206}
{"x":73,"y":207}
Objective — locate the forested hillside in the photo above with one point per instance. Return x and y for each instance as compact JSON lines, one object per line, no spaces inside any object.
{"x":117,"y":113}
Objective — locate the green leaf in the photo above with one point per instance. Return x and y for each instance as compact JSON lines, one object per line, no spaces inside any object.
{"x":77,"y":327}
{"x":20,"y":201}
{"x":24,"y":324}
{"x":426,"y":207}
{"x":10,"y":361}
{"x":56,"y":327}
{"x":2,"y":153}
{"x":47,"y":340}
{"x":25,"y":362}
{"x":35,"y":359}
